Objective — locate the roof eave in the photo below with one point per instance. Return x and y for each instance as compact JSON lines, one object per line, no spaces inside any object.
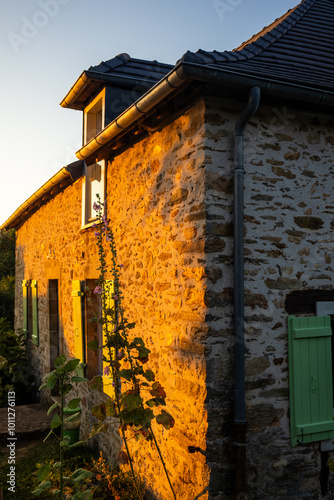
{"x":72,"y":98}
{"x":269,"y":86}
{"x":71,"y":173}
{"x":185,"y":72}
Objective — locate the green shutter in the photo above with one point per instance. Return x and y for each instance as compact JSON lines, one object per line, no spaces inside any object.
{"x":310,"y":374}
{"x":25,"y":284}
{"x":78,"y":326}
{"x":34,"y":305}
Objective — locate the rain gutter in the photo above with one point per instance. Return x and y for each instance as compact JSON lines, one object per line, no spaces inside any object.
{"x":184,"y":72}
{"x":74,"y":171}
{"x":88,"y":76}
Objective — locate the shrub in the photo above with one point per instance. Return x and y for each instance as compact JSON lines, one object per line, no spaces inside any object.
{"x":14,"y":371}
{"x":105,"y":481}
{"x":7,"y":275}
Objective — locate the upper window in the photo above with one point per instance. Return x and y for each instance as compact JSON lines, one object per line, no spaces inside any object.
{"x":93,"y":185}
{"x":94,"y":117}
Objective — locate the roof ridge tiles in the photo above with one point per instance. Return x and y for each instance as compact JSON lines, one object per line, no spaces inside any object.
{"x":297,"y":46}
{"x":280,"y":26}
{"x":258,"y":43}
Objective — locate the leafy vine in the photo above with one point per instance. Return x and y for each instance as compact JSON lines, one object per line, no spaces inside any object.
{"x":138,"y":398}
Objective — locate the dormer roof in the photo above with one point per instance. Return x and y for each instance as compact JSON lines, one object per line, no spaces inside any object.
{"x":122,"y":71}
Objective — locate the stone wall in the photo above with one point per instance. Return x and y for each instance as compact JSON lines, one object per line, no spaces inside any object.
{"x":155,"y":195}
{"x":288,"y":246}
{"x":170,"y":201}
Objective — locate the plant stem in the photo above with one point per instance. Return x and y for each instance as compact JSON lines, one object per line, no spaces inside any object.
{"x":61,"y":387}
{"x":163,"y":463}
{"x":125,"y":438}
{"x":131,"y":465}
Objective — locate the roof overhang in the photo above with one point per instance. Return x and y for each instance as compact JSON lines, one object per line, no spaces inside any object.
{"x":89,"y":84}
{"x":185,"y":72}
{"x":58,"y":182}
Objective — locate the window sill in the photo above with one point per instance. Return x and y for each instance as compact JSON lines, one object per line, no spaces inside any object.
{"x":89,"y":224}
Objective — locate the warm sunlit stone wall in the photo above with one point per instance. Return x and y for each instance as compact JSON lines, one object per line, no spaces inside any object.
{"x":170,"y":201}
{"x":156,"y":204}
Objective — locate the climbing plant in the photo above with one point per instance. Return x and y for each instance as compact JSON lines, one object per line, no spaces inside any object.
{"x":138,"y":398}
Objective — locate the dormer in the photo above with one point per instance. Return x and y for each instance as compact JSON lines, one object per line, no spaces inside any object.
{"x":102,"y":93}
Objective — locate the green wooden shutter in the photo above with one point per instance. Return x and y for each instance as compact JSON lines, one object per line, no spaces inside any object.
{"x":109,"y":315}
{"x":25,"y":284}
{"x":34,"y":306}
{"x":78,"y":326}
{"x":310,"y":374}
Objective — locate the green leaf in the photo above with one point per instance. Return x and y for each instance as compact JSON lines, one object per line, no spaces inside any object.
{"x":156,"y":402}
{"x":57,"y":465}
{"x":138,"y":341}
{"x":55,"y":422}
{"x":98,"y":427}
{"x":53,"y":407}
{"x":143,"y":352}
{"x":79,"y":379}
{"x":110,"y":408}
{"x":72,"y":417}
{"x":67,"y":388}
{"x":60,"y":360}
{"x":45,"y":485}
{"x":93,"y":345}
{"x":96,"y":383}
{"x":42,"y":387}
{"x":149,"y":375}
{"x":52,"y":381}
{"x":139,"y":416}
{"x":103,"y":410}
{"x":65,"y":442}
{"x":127,"y":374}
{"x":55,"y":492}
{"x":48,"y":375}
{"x":75,"y":445}
{"x":80,"y":474}
{"x":71,"y":365}
{"x":131,"y":401}
{"x":43,"y":472}
{"x":99,"y":411}
{"x":165,"y":419}
{"x":157,"y":390}
{"x":73,"y":403}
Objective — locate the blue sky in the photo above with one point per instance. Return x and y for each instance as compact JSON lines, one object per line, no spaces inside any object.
{"x":46,"y":44}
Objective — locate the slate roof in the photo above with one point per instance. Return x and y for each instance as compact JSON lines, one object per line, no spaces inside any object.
{"x":129,"y":67}
{"x":122,"y":71}
{"x":298,"y":47}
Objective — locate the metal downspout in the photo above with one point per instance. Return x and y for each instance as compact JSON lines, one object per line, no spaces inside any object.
{"x":239,"y":341}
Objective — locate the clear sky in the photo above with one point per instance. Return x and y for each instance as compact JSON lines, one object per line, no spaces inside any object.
{"x":46,"y":44}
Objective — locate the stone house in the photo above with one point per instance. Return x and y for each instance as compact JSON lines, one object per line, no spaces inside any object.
{"x":218,"y":176}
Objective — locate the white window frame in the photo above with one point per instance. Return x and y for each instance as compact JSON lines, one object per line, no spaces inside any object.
{"x":88,"y":215}
{"x":91,"y":113}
